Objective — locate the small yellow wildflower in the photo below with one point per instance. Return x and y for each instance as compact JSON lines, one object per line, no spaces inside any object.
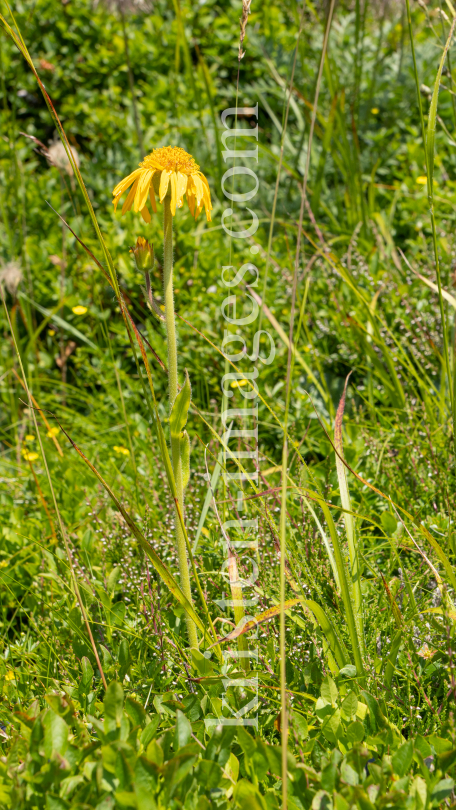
{"x":29,"y":438}
{"x":51,"y":332}
{"x":166,"y":170}
{"x":79,"y":310}
{"x":122,"y":450}
{"x":30,"y":456}
{"x":422,"y":180}
{"x":53,"y":431}
{"x":10,"y":676}
{"x":375,"y":111}
{"x":238,"y":383}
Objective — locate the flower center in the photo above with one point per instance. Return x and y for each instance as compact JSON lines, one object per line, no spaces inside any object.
{"x":172,"y":158}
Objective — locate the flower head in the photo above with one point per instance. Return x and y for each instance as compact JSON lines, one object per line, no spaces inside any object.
{"x":168,"y":170}
{"x":11,"y":276}
{"x":143,"y":252}
{"x":79,"y":310}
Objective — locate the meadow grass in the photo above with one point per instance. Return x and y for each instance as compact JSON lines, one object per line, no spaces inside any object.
{"x":116,"y":672}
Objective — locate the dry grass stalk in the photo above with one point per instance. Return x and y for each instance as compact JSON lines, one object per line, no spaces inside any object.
{"x":243,"y":21}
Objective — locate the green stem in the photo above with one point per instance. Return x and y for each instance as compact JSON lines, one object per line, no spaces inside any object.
{"x":173,"y":390}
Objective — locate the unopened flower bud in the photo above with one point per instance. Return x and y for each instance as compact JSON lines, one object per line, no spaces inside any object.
{"x":144,"y":254}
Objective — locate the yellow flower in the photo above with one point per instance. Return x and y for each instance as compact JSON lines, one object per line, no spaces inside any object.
{"x":53,"y":431}
{"x":51,"y":332}
{"x":375,"y":111}
{"x":122,"y":450}
{"x":421,"y":180}
{"x":238,"y":383}
{"x":29,"y":438}
{"x":166,"y":170}
{"x":30,"y":456}
{"x":10,"y":676}
{"x":79,"y":310}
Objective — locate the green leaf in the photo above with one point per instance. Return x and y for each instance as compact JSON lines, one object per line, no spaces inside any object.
{"x":389,"y":523}
{"x":55,"y":733}
{"x":113,"y":579}
{"x":209,"y":774}
{"x":179,"y":411}
{"x":355,"y":732}
{"x":299,"y":724}
{"x":329,"y":690}
{"x":113,"y":702}
{"x":150,"y":730}
{"x":124,"y":658}
{"x":442,"y":790}
{"x":182,"y":731}
{"x":185,"y":457}
{"x":117,"y":614}
{"x":87,"y":675}
{"x":402,"y":759}
{"x":350,"y":705}
{"x":349,"y":671}
{"x":146,"y":783}
{"x":135,"y":712}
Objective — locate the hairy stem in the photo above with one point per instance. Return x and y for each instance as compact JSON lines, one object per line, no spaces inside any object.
{"x":173,"y":390}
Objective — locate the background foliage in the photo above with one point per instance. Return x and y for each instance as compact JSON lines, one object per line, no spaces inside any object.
{"x":384,"y":739}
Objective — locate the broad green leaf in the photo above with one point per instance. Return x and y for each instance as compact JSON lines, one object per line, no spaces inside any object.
{"x":389,"y":522}
{"x":55,"y":733}
{"x":150,"y":730}
{"x":299,"y":725}
{"x":113,"y":579}
{"x":402,"y":759}
{"x":113,"y":702}
{"x":182,"y":731}
{"x":329,"y":690}
{"x":350,"y":705}
{"x":179,"y":411}
{"x":87,"y":675}
{"x":135,"y":712}
{"x":442,"y":790}
{"x":145,"y":783}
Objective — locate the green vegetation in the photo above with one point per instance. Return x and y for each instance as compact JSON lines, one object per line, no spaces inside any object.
{"x":348,"y":523}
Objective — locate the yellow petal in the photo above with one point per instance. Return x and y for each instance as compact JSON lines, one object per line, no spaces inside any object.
{"x":191,"y":202}
{"x":143,"y":189}
{"x":127,"y":181}
{"x":199,"y":188}
{"x":164,"y":183}
{"x":145,"y":214}
{"x":173,"y":183}
{"x":152,"y":198}
{"x":131,"y":196}
{"x":181,"y":188}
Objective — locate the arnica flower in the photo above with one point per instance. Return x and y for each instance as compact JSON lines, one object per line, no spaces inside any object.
{"x":166,"y":170}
